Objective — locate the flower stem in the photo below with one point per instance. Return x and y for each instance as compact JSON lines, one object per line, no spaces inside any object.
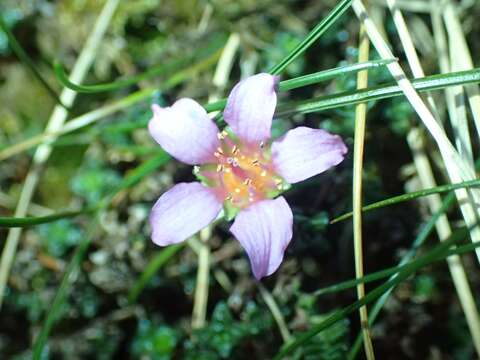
{"x":199,"y":314}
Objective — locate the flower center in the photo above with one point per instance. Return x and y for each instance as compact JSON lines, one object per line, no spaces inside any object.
{"x":243,"y":173}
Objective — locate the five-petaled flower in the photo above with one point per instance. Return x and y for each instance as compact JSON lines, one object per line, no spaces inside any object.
{"x":241,"y":170}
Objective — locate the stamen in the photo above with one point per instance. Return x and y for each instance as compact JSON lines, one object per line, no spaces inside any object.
{"x":247,"y":182}
{"x":217,"y":154}
{"x":255,"y":162}
{"x":220,"y":167}
{"x":234,"y":149}
{"x":220,"y":150}
{"x":229,"y":198}
{"x":220,"y":136}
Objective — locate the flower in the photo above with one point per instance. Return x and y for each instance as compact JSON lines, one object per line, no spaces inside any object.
{"x":241,"y":170}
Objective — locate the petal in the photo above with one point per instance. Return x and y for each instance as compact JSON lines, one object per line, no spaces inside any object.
{"x":185,"y":131}
{"x":250,"y":108}
{"x":182,"y":211}
{"x":264,"y":229}
{"x":304,"y":152}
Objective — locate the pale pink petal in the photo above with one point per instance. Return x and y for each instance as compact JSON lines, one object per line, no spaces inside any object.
{"x":185,"y":131}
{"x":250,"y":108}
{"x":304,"y":152}
{"x":264,"y":229}
{"x":182,"y":211}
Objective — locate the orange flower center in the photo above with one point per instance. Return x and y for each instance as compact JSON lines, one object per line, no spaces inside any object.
{"x":243,"y":173}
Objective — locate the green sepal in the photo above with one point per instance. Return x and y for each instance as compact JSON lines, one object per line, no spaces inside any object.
{"x":203,"y":179}
{"x":282,"y":187}
{"x":230,"y":210}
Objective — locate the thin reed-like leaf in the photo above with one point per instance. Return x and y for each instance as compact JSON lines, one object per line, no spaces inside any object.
{"x":317,"y":31}
{"x":411,"y":196}
{"x":25,"y":59}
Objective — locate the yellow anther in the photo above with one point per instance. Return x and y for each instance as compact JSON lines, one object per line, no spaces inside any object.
{"x":255,"y":162}
{"x":220,"y":167}
{"x":263,"y":173}
{"x":234,"y":149}
{"x":247,"y":182}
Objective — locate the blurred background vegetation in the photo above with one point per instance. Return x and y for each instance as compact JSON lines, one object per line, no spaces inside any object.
{"x":100,"y":318}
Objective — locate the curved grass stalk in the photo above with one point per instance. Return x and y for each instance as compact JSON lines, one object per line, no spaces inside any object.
{"x":25,"y":59}
{"x":212,"y":46}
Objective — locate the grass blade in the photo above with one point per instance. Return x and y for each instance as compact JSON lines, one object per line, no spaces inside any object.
{"x":411,"y":196}
{"x":317,"y":31}
{"x":25,"y":59}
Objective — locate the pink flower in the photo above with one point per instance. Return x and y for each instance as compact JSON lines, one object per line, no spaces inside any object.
{"x":240,"y":170}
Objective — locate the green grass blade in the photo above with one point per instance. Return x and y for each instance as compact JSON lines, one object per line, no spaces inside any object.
{"x":60,"y":296}
{"x":419,"y":241}
{"x":329,"y":74}
{"x":313,"y":36}
{"x":13,"y":222}
{"x":411,"y":196}
{"x":25,"y":59}
{"x":374,"y":294}
{"x":152,"y":268}
{"x":428,"y":83}
{"x":214,"y":46}
{"x":121,"y":83}
{"x":133,"y":178}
